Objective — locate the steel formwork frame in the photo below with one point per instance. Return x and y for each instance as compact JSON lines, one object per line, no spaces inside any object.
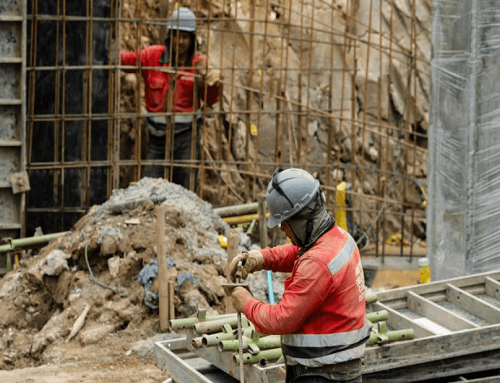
{"x":274,"y":97}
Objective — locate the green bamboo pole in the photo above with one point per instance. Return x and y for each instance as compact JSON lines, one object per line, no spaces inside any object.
{"x":265,"y":342}
{"x":261,"y":357}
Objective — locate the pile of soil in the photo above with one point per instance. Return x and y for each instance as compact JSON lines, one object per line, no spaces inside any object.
{"x":107,"y":266}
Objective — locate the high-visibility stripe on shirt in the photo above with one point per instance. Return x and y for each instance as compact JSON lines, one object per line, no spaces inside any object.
{"x":315,"y":350}
{"x":344,"y":256}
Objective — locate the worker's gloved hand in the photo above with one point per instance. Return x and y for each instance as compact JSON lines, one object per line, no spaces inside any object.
{"x":250,"y":262}
{"x":213,"y":77}
{"x":210,"y":76}
{"x":239,"y":298}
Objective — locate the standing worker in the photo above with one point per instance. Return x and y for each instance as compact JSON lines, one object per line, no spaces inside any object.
{"x":321,"y":317}
{"x":178,"y":90}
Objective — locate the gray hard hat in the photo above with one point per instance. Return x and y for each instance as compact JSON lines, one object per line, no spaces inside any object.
{"x":288,"y":193}
{"x":182,"y":19}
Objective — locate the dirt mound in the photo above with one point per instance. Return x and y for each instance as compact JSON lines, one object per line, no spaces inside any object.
{"x":108,"y":263}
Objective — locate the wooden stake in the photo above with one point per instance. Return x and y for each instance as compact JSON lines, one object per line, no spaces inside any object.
{"x":233,"y":240}
{"x":163,"y":293}
{"x":171,"y":300}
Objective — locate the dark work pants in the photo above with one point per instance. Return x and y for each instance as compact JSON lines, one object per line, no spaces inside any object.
{"x":297,"y":375}
{"x":181,"y":147}
{"x":321,"y":379}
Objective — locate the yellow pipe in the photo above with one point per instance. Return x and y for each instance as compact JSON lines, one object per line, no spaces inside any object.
{"x":340,"y":213}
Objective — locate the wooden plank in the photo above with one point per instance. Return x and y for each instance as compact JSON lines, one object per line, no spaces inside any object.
{"x":8,"y":143}
{"x":472,"y":304}
{"x":438,"y":314}
{"x":233,"y":240}
{"x":162,"y":269}
{"x":492,"y":287}
{"x":398,"y":321}
{"x":433,"y":348}
{"x":171,"y":300}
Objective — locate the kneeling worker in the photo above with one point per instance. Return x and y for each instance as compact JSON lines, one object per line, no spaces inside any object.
{"x":321,"y":317}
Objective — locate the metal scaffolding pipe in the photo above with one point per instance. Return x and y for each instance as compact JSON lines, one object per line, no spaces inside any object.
{"x":29,"y":242}
{"x":265,"y":342}
{"x":377,"y":316}
{"x":217,"y":325}
{"x":390,"y":336}
{"x":243,"y":218}
{"x":261,"y":357}
{"x":230,"y":211}
{"x":214,"y":339}
{"x":183,"y":323}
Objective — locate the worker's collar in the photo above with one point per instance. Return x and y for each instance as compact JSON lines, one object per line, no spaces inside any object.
{"x":164,"y":58}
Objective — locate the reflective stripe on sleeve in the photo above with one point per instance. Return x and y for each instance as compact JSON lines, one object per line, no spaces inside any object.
{"x":343,"y":257}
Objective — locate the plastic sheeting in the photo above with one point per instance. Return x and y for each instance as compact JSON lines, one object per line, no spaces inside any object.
{"x":463,"y":215}
{"x":147,"y":276}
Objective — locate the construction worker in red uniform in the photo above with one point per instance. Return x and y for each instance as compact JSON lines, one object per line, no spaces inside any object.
{"x":321,"y":317}
{"x":178,"y":89}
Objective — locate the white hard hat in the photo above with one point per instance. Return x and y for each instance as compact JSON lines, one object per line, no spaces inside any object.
{"x":182,"y":19}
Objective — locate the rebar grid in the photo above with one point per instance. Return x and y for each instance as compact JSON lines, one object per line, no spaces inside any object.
{"x":337,"y":118}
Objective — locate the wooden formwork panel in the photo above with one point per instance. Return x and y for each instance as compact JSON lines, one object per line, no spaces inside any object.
{"x":12,"y":118}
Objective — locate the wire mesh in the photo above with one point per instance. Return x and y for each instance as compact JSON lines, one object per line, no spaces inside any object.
{"x":339,"y":88}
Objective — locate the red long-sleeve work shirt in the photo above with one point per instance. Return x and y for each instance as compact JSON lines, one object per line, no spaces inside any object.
{"x":323,"y":305}
{"x":157,"y":82}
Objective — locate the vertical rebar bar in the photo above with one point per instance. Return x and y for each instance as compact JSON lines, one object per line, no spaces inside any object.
{"x":309,"y":81}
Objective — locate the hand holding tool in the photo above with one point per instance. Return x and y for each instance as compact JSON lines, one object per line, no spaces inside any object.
{"x":245,"y":263}
{"x":228,"y":289}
